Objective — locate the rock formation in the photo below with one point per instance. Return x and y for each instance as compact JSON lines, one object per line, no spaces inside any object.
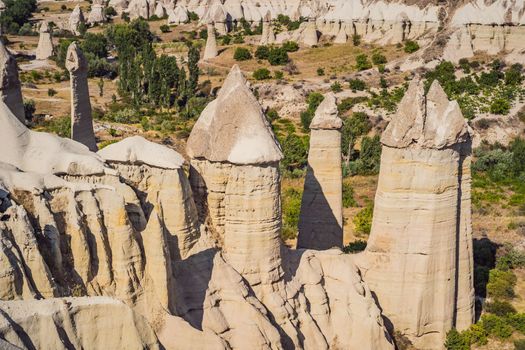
{"x":75,"y":20}
{"x":44,"y":49}
{"x":81,"y":119}
{"x":97,"y":15}
{"x":267,"y":36}
{"x":418,"y":261}
{"x":178,"y":15}
{"x":10,"y":89}
{"x":309,"y":36}
{"x":341,"y":36}
{"x":141,"y":8}
{"x":119,"y":5}
{"x":210,"y":51}
{"x":321,"y":218}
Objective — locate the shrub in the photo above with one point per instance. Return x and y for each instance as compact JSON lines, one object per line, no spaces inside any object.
{"x":290,"y":46}
{"x":295,"y":151}
{"x":378,"y":59}
{"x":165,"y":28}
{"x":291,"y":207}
{"x":320,"y":71}
{"x":51,"y":92}
{"x":513,"y":75}
{"x":356,"y":39}
{"x":517,"y":321}
{"x":262,"y":52}
{"x":60,"y":126}
{"x":411,"y":46}
{"x":355,"y":247}
{"x":314,"y":99}
{"x":278,"y":56}
{"x":383,"y":83}
{"x":262,"y":74}
{"x":278,"y":74}
{"x":357,"y":84}
{"x":336,"y":87}
{"x":348,"y":196}
{"x":500,"y":106}
{"x":193,"y":16}
{"x":29,"y":109}
{"x":519,"y":344}
{"x":455,"y":341}
{"x":499,"y":308}
{"x":226,"y":40}
{"x":272,"y":115}
{"x":369,"y":158}
{"x":501,"y":284}
{"x":242,"y":54}
{"x":362,"y":62}
{"x":363,"y":219}
{"x":110,"y":12}
{"x":496,"y":326}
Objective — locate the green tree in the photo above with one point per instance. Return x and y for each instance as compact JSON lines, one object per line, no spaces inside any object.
{"x":411,"y":46}
{"x":262,"y":74}
{"x":242,"y":54}
{"x":96,"y":44}
{"x":262,"y":52}
{"x":193,"y":69}
{"x":362,"y":62}
{"x":277,"y":56}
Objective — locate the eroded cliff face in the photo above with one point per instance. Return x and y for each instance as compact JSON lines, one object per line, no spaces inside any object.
{"x":418,"y":260}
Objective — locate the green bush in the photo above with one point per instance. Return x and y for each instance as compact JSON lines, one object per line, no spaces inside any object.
{"x":499,"y":308}
{"x":362,"y":62}
{"x":51,"y":92}
{"x":496,"y":326}
{"x":519,"y":344}
{"x":501,"y":284}
{"x":60,"y":126}
{"x":411,"y":46}
{"x":363,"y":220}
{"x":314,"y":99}
{"x":500,"y":106}
{"x":278,"y":56}
{"x":272,"y":115}
{"x":291,"y":209}
{"x":357,"y":84}
{"x":262,"y":74}
{"x":354,"y":247}
{"x":336,"y":87}
{"x":456,"y":341}
{"x":262,"y":52}
{"x":320,"y":71}
{"x":165,"y":28}
{"x":290,"y":46}
{"x":242,"y":54}
{"x":356,"y":39}
{"x":369,"y":157}
{"x":348,"y":196}
{"x":378,"y":59}
{"x":295,"y":152}
{"x":513,"y":75}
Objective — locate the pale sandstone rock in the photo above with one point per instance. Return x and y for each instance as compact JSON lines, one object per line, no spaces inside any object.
{"x":178,"y":15}
{"x":267,"y":36}
{"x":210,"y":51}
{"x":96,"y":15}
{"x":141,"y":8}
{"x":81,"y":119}
{"x":119,"y":5}
{"x":321,"y":218}
{"x":79,"y":323}
{"x":76,"y":19}
{"x":10,"y":89}
{"x":341,"y":36}
{"x":309,"y":36}
{"x":419,"y":255}
{"x":45,"y":48}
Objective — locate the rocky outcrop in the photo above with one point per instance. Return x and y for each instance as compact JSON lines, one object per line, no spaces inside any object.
{"x":210,"y":51}
{"x":141,"y":8}
{"x":74,"y":323}
{"x":267,"y":36}
{"x":81,"y":119}
{"x":76,"y":19}
{"x":309,"y":36}
{"x":418,"y":260}
{"x":10,"y":88}
{"x":97,"y":15}
{"x":119,"y":5}
{"x":178,"y":15}
{"x":45,"y":48}
{"x":321,"y":218}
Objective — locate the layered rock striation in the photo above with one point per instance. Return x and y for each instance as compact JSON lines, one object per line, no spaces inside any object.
{"x":418,"y":261}
{"x":10,"y":89}
{"x":321,"y":217}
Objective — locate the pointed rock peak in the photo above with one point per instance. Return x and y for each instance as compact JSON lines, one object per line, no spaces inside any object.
{"x":75,"y":58}
{"x":406,"y":125}
{"x":267,"y":16}
{"x":444,"y":122}
{"x":44,"y":27}
{"x":233,"y":127}
{"x":218,"y":14}
{"x":326,"y":115}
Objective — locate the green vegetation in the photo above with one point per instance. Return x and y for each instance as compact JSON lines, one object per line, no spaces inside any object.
{"x":242,"y":54}
{"x":291,"y":204}
{"x":348,"y":196}
{"x":355,"y":247}
{"x":314,"y":99}
{"x":363,"y":219}
{"x":336,"y":87}
{"x":262,"y":52}
{"x":378,"y":58}
{"x":411,"y":46}
{"x":16,"y":14}
{"x":357,"y":84}
{"x":362,"y":62}
{"x":262,"y":74}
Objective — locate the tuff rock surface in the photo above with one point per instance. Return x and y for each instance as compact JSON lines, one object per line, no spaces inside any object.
{"x":45,"y":47}
{"x":10,"y":89}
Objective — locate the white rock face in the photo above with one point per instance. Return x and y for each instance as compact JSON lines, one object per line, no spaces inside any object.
{"x":10,"y":89}
{"x":76,"y":19}
{"x":81,"y":119}
{"x":45,"y":48}
{"x":178,"y":15}
{"x":321,"y":218}
{"x":210,"y":51}
{"x":309,"y":36}
{"x":268,"y":35}
{"x":96,"y":15}
{"x":119,"y":5}
{"x":419,"y":255}
{"x":141,"y":8}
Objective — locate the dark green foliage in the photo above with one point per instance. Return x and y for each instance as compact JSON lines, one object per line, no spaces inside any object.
{"x":262,"y":52}
{"x":242,"y":54}
{"x":369,"y":157}
{"x":313,"y":100}
{"x":501,"y":284}
{"x":348,"y":196}
{"x":500,"y":106}
{"x":95,"y":44}
{"x":353,"y":128}
{"x":166,"y":29}
{"x":336,"y":87}
{"x":357,"y":84}
{"x":291,"y":204}
{"x":349,"y":102}
{"x":226,"y":40}
{"x":110,"y":12}
{"x":29,"y":109}
{"x":58,"y":125}
{"x":262,"y":74}
{"x":513,"y":75}
{"x":295,"y":151}
{"x":455,"y":341}
{"x":320,"y":71}
{"x":362,"y":62}
{"x":519,"y":344}
{"x":355,"y":247}
{"x":272,"y":115}
{"x":411,"y":46}
{"x":356,"y":39}
{"x":193,"y":16}
{"x":378,"y":59}
{"x":499,"y":308}
{"x":278,"y":74}
{"x":16,"y":14}
{"x":363,"y":220}
{"x":290,"y":46}
{"x":277,"y":56}
{"x":496,"y":326}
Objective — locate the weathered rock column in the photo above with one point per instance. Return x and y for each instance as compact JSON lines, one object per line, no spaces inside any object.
{"x":235,"y":160}
{"x":267,"y":36}
{"x":44,"y":49}
{"x":309,"y":36}
{"x":418,"y":260}
{"x":321,"y":218}
{"x":81,"y":119}
{"x":341,"y":37}
{"x":210,"y":51}
{"x":10,"y":90}
{"x":76,"y":19}
{"x":97,"y":12}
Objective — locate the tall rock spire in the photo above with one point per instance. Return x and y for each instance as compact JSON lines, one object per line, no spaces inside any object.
{"x":321,"y":218}
{"x":45,"y":48}
{"x":10,"y":91}
{"x":419,"y":256}
{"x":210,"y":51}
{"x":81,"y":119}
{"x":76,"y":19}
{"x":309,"y":36}
{"x":267,"y":36}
